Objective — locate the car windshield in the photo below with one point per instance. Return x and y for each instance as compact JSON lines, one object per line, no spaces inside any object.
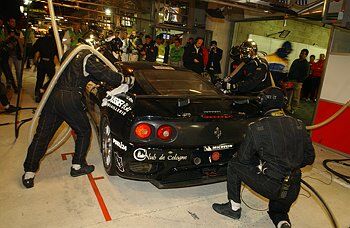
{"x":171,"y":82}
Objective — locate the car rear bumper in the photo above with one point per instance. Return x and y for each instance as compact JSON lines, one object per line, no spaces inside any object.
{"x":173,"y":168}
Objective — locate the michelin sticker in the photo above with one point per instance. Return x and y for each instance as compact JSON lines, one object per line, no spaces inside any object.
{"x":141,"y":154}
{"x":218,"y":147}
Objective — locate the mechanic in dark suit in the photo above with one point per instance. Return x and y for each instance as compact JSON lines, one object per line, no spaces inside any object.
{"x":46,"y":56}
{"x":214,"y":65}
{"x":66,"y":104}
{"x":274,"y":149}
{"x":193,"y":56}
{"x":254,"y":75}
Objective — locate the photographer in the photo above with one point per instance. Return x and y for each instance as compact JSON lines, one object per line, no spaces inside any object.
{"x":214,"y":65}
{"x":274,"y":149}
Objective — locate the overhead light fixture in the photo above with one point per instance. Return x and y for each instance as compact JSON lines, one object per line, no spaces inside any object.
{"x":266,"y":11}
{"x":108,"y":12}
{"x":27,"y":2}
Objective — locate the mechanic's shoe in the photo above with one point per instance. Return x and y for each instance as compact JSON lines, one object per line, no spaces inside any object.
{"x":283,"y":224}
{"x":85,"y":169}
{"x":226,"y":209}
{"x":28,"y":183}
{"x":11,"y":109}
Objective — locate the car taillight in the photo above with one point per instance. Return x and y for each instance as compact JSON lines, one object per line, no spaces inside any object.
{"x":143,"y":130}
{"x":164,"y":132}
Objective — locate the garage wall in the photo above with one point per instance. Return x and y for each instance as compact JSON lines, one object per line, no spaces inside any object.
{"x":270,"y":45}
{"x":221,"y":33}
{"x":334,"y":94}
{"x":300,"y":32}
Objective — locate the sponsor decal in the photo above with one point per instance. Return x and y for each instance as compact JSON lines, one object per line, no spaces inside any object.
{"x":141,"y":154}
{"x":119,"y":144}
{"x":177,"y":157}
{"x":117,"y":104}
{"x":120,"y":164}
{"x":218,"y":147}
{"x":217,"y":132}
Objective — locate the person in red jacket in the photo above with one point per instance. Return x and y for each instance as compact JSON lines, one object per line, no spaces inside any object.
{"x":317,"y":71}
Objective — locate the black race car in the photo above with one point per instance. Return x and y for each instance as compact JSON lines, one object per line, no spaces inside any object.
{"x":173,"y":128}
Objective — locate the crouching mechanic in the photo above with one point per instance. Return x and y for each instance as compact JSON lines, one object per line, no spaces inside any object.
{"x":66,"y":104}
{"x":269,"y":161}
{"x":253,"y":76}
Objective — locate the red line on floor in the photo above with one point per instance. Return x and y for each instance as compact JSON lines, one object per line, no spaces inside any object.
{"x":99,"y":198}
{"x":64,"y":156}
{"x":98,"y":178}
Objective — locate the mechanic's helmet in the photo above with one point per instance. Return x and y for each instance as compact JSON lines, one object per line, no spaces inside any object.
{"x":272,"y":98}
{"x":285,"y":50}
{"x":248,"y":49}
{"x":235,"y":53}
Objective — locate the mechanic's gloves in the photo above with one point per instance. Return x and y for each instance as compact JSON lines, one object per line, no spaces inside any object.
{"x":229,"y":86}
{"x":129,"y":80}
{"x":227,"y":79}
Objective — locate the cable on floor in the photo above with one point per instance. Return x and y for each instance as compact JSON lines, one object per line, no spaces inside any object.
{"x":341,"y":162}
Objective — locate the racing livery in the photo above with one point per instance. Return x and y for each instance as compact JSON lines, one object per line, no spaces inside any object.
{"x":173,"y":128}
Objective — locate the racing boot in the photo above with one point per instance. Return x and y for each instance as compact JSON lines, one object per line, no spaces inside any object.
{"x":28,"y":179}
{"x":226,"y":209}
{"x":84,"y":169}
{"x":283,"y":224}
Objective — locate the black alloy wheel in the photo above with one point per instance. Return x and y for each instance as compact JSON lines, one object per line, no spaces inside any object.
{"x":108,"y":157}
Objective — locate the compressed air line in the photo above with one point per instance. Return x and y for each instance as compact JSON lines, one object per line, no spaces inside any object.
{"x":330,"y":119}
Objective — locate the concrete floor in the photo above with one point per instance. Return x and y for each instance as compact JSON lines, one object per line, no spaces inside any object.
{"x":58,"y":200}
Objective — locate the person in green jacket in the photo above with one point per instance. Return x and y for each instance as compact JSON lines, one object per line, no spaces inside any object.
{"x":176,"y":53}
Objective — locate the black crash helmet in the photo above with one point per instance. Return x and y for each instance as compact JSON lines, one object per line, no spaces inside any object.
{"x":235,"y":53}
{"x":272,"y":98}
{"x":247,"y":50}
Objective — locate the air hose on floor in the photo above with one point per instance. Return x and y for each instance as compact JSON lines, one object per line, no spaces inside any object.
{"x":329,"y":212}
{"x":339,"y":161}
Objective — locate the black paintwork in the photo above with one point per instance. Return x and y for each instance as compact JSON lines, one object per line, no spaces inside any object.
{"x":194,"y":125}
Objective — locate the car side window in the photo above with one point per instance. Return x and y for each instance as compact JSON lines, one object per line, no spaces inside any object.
{"x":137,"y":89}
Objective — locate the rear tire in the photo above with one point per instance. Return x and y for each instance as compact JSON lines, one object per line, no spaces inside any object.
{"x":108,"y":157}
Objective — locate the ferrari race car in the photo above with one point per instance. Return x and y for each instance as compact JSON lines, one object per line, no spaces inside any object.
{"x":173,"y":128}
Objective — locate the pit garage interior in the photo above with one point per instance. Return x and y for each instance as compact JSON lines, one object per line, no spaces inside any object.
{"x":100,"y":200}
